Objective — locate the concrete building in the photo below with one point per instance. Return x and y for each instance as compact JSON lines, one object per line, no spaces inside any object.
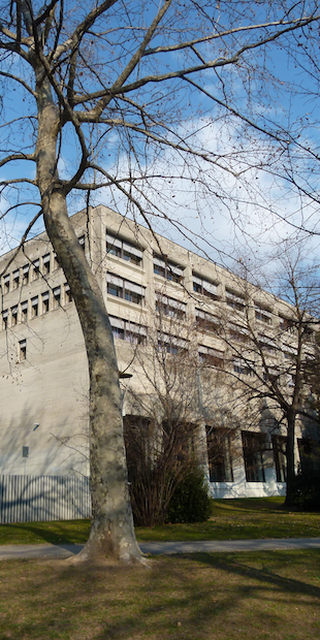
{"x":152,"y":287}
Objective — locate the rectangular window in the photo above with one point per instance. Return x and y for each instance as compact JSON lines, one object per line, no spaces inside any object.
{"x":125,"y":289}
{"x":243,"y":367}
{"x":211,"y":357}
{"x":129,"y":331}
{"x":25,"y":274}
{"x":5,"y":315}
{"x":24,"y":311}
{"x":22,"y":350}
{"x":34,"y":307}
{"x":235,"y":300}
{"x":45,"y":299}
{"x":167,"y":269}
{"x":67,"y":294}
{"x":123,"y":249}
{"x":263,"y":314}
{"x":56,"y":297}
{"x":6,"y":283}
{"x":170,"y":307}
{"x":219,"y":455}
{"x":207,"y":322}
{"x":46,"y":264}
{"x":36,"y":269}
{"x":25,"y":452}
{"x":279,"y":446}
{"x":204,"y":287}
{"x":16,"y":279}
{"x":172,"y":344}
{"x":254,"y":452}
{"x":14,"y":316}
{"x":309,"y":452}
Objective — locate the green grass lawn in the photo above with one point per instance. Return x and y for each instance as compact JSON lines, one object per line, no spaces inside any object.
{"x":261,"y":596}
{"x":230,"y":520}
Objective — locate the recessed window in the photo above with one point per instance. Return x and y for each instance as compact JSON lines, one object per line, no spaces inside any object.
{"x":67,"y":294}
{"x":263,"y":314}
{"x":123,"y":249}
{"x":206,"y":321}
{"x":172,"y":344}
{"x":22,"y":350}
{"x":243,"y":367}
{"x":128,"y":331}
{"x":24,"y":311}
{"x":45,"y":298}
{"x":205,"y":287}
{"x":46,"y":264}
{"x":254,"y":452}
{"x":235,"y":301}
{"x":56,"y":297}
{"x":25,"y":274}
{"x":219,"y":454}
{"x":14,"y":316}
{"x":36,"y":269}
{"x":6,"y":283}
{"x":5,"y":315}
{"x":167,"y":269}
{"x":16,"y":279}
{"x":34,"y":307}
{"x":170,"y":307}
{"x":82,"y":242}
{"x":125,"y":289}
{"x":211,"y":357}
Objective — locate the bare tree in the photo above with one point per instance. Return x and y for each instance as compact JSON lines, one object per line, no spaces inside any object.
{"x":270,"y":349}
{"x":95,"y":78}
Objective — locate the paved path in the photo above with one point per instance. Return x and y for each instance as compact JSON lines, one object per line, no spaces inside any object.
{"x":156,"y":548}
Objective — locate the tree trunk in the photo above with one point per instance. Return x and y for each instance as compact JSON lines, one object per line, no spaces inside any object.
{"x":291,"y":419}
{"x":112,"y":530}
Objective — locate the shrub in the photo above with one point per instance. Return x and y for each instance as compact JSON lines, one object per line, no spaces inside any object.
{"x":190,"y":501}
{"x":306,"y":491}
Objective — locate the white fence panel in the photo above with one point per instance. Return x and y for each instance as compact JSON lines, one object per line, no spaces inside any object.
{"x":39,"y":498}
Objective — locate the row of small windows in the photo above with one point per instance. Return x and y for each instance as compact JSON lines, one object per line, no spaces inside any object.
{"x":125,"y":289}
{"x":38,"y":305}
{"x":32,"y":270}
{"x":128,"y":331}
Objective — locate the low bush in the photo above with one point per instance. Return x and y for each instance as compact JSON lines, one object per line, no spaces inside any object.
{"x":190,"y":501}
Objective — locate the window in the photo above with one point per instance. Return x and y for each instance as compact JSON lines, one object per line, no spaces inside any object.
{"x":129,"y":331}
{"x":82,"y":242}
{"x":123,"y":249}
{"x":45,"y":299}
{"x":254,"y":451}
{"x":35,"y":269}
{"x":56,"y":297}
{"x":25,"y":274}
{"x":55,"y":262}
{"x":238,"y":333}
{"x":170,"y":307}
{"x":16,"y":279}
{"x":206,"y":321}
{"x":235,"y":300}
{"x":34,"y":307}
{"x":67,"y":294}
{"x":309,"y":452}
{"x":46,"y":264}
{"x":287,"y":324}
{"x":205,"y":287}
{"x":6,"y":283}
{"x":22,"y":350}
{"x":266,"y":343}
{"x":5,"y":315}
{"x":244,"y":368}
{"x":25,"y":452}
{"x":211,"y":357}
{"x":14,"y":316}
{"x":125,"y":289}
{"x":279,"y":445}
{"x":263,"y":314}
{"x":24,"y":311}
{"x":171,"y":344}
{"x":167,"y":269}
{"x":219,"y":455}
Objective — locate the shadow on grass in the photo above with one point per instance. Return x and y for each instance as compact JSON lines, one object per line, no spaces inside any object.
{"x":55,"y":532}
{"x":200,"y":596}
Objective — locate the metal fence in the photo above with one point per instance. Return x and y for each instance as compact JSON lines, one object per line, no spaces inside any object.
{"x":39,"y":498}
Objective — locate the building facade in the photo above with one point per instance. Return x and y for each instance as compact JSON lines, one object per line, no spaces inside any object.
{"x":161,"y":297}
